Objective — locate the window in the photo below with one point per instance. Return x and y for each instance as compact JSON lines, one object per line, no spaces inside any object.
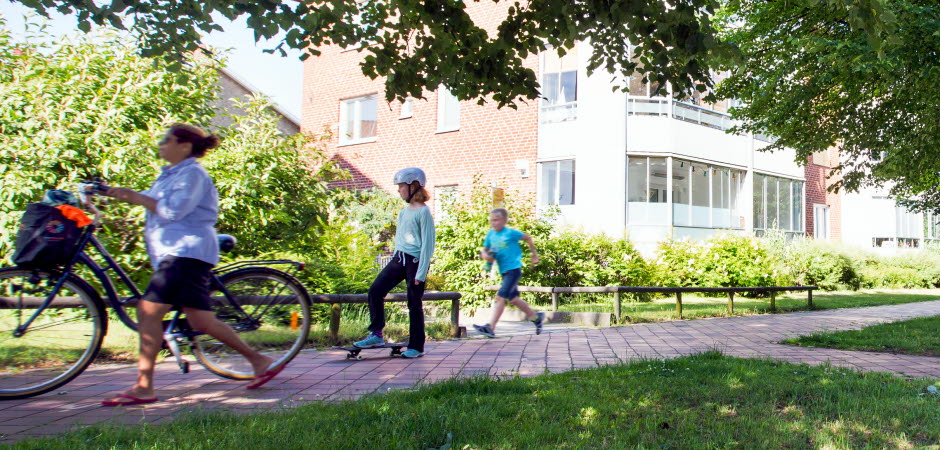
{"x":821,"y":222}
{"x":448,"y":111}
{"x":558,"y":182}
{"x":778,"y":204}
{"x":700,"y":195}
{"x":908,"y":223}
{"x":646,"y":190}
{"x":444,"y":198}
{"x":559,"y":85}
{"x":407,"y":109}
{"x":932,"y":226}
{"x":357,"y":120}
{"x":705,"y":196}
{"x":681,"y":171}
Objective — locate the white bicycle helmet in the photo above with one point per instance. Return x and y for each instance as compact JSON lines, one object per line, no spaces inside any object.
{"x":410,"y":175}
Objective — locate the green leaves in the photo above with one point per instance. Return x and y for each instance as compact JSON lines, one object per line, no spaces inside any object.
{"x":814,"y":77}
{"x":92,"y":107}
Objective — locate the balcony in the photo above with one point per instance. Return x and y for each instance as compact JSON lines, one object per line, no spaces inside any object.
{"x":653,"y":106}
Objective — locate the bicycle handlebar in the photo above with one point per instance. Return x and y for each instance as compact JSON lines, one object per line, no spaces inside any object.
{"x":88,"y":189}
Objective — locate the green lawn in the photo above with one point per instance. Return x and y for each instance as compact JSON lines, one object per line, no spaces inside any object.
{"x":912,"y":337}
{"x":704,"y":401}
{"x":697,"y":306}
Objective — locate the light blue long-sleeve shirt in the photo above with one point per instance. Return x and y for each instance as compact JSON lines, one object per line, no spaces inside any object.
{"x":187,"y":210}
{"x":415,"y":235}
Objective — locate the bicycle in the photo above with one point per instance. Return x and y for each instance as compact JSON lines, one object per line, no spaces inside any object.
{"x":53,"y":322}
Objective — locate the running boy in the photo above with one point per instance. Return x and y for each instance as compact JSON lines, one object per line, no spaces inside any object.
{"x":502,"y":245}
{"x":414,"y":246}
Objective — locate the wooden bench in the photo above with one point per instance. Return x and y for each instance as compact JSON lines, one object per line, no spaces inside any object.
{"x":677,"y":291}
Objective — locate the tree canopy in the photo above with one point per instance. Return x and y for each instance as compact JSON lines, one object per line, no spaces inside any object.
{"x":86,"y":107}
{"x":806,"y":76}
{"x":418,"y":44}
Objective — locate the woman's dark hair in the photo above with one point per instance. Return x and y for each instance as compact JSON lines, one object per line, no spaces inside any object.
{"x":202,"y":141}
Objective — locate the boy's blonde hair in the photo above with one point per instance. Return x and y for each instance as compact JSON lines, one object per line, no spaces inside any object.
{"x":501,"y":211}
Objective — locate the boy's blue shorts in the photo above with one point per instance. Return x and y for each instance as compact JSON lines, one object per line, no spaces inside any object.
{"x":510,"y":288}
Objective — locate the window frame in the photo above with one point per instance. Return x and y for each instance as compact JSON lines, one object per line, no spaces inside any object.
{"x":444,"y":97}
{"x":556,"y":201}
{"x":827,"y":235}
{"x":343,"y":122}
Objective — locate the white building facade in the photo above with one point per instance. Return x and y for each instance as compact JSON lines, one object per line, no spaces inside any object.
{"x":651,"y":168}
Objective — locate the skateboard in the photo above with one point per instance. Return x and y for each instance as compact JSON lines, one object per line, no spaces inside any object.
{"x":352,"y":352}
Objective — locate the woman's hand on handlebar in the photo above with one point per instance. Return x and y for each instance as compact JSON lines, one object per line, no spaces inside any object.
{"x":122,"y":194}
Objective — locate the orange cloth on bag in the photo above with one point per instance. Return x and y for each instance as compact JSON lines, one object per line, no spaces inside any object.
{"x":75,"y":215}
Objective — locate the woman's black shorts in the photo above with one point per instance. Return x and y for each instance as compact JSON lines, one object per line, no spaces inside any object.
{"x":181,"y":282}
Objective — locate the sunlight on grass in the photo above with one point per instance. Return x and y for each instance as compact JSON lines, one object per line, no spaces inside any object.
{"x":913,"y":337}
{"x":682,"y":403}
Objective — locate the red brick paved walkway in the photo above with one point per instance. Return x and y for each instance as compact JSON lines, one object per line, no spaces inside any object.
{"x":326,"y":375}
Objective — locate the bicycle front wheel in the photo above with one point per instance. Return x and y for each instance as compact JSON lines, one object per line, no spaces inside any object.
{"x":59,"y":344}
{"x":270,"y":311}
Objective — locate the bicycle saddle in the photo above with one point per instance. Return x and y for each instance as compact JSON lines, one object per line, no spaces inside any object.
{"x":226,"y":243}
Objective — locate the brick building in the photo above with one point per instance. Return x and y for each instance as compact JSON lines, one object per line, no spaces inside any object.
{"x":452,"y":141}
{"x":642,"y":166}
{"x":823,"y":208}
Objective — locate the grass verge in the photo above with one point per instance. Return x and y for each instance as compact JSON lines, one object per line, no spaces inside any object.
{"x":703,"y":401}
{"x":696,"y":306}
{"x":911,"y":337}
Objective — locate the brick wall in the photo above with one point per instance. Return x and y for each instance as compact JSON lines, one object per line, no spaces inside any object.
{"x":817,"y":169}
{"x":489,"y":140}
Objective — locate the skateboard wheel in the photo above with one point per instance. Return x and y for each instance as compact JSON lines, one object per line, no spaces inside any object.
{"x":358,"y":357}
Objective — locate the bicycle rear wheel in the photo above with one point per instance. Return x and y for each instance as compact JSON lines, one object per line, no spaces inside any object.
{"x":63,"y":340}
{"x":276,"y":320}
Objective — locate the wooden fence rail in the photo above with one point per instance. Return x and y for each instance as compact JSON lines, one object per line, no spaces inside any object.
{"x":677,"y":291}
{"x":337,"y":300}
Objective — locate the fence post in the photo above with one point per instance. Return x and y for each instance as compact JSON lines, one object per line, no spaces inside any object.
{"x":730,"y":303}
{"x":335,"y":314}
{"x":554,"y":301}
{"x":809,"y":298}
{"x":679,"y":304}
{"x":455,"y":317}
{"x":773,"y":301}
{"x":617,"y":305}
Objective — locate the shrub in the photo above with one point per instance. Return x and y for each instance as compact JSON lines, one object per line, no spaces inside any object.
{"x":575,"y":258}
{"x":816,"y":263}
{"x":725,"y":260}
{"x":733,"y":260}
{"x":888,"y":276}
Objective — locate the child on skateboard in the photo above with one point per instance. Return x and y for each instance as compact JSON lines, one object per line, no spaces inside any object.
{"x":414,"y":246}
{"x":502,"y":246}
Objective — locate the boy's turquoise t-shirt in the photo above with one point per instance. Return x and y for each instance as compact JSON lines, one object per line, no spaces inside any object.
{"x":505,"y":244}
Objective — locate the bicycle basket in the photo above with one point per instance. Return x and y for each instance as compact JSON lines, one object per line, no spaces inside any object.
{"x":47,"y":239}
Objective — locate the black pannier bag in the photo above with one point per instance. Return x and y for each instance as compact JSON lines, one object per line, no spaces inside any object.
{"x":46,"y":240}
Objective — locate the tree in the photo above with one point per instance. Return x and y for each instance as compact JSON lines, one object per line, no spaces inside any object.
{"x":810,"y":79}
{"x":87,"y":107}
{"x":419,"y":44}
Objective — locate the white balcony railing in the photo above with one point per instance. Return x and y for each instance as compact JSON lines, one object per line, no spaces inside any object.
{"x":652,"y":106}
{"x":559,"y":113}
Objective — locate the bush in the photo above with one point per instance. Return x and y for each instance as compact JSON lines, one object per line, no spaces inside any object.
{"x":573,"y":258}
{"x":811,"y":262}
{"x":894,"y":277}
{"x":725,"y":260}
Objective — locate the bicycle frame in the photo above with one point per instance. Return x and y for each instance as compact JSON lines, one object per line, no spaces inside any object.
{"x":118,"y":303}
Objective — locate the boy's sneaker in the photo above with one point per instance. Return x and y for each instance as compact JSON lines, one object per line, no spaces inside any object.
{"x":539,"y":321}
{"x":370,"y":341}
{"x":412,"y":353}
{"x":485,"y":330}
